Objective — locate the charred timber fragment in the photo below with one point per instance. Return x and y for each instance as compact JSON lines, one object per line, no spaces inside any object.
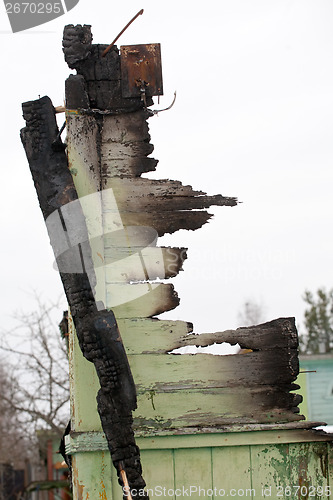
{"x":97,"y":330}
{"x":279,"y":334}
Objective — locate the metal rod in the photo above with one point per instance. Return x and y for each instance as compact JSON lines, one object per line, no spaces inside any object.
{"x":122,"y":31}
{"x":60,"y":109}
{"x":156,"y":111}
{"x":127,"y":490}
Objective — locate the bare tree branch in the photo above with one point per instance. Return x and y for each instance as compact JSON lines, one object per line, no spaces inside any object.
{"x":35,"y":392}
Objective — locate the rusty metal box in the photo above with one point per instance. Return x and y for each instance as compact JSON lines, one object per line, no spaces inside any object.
{"x":141,"y":66}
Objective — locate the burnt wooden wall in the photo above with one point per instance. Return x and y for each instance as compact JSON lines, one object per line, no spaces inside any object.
{"x":109,"y":152}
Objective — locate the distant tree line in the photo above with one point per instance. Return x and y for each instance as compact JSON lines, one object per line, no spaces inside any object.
{"x":318,"y":322}
{"x":34,"y":382}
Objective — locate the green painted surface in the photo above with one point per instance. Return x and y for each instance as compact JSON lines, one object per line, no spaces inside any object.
{"x":91,"y":476}
{"x":302,"y":382}
{"x":193,"y":472}
{"x":301,"y":470}
{"x":318,"y":388}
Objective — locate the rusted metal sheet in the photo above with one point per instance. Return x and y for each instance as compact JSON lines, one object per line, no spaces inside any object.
{"x":141,"y":70}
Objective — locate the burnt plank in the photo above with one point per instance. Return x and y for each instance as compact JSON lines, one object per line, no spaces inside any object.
{"x":141,"y":300}
{"x":157,"y":194}
{"x":211,"y":408}
{"x":167,"y":222}
{"x":163,"y":373}
{"x":273,"y":335}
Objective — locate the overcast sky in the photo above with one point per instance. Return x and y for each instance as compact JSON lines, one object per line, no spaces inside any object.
{"x":253,"y":119}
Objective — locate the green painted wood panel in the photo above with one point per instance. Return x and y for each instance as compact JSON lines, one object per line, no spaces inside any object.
{"x":291,"y":470}
{"x":158,"y":470}
{"x":301,"y":470}
{"x":319,"y":387}
{"x":309,"y":469}
{"x":302,"y":382}
{"x":91,"y":474}
{"x":269,"y":466}
{"x":84,"y":385}
{"x":193,"y":472}
{"x":229,"y":436}
{"x":231,"y":469}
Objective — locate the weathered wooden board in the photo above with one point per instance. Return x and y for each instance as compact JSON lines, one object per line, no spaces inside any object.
{"x":128,"y":264}
{"x":83,"y":157}
{"x":159,"y":469}
{"x":125,"y":128}
{"x":151,"y":335}
{"x":97,"y":467}
{"x":129,"y":167}
{"x":183,"y":391}
{"x":235,"y":460}
{"x":118,"y":157}
{"x":141,"y":300}
{"x":163,"y":373}
{"x":196,"y":474}
{"x":211,"y":407}
{"x":116,"y":150}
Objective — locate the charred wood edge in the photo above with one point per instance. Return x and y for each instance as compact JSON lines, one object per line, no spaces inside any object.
{"x":97,"y":331}
{"x":279,"y":335}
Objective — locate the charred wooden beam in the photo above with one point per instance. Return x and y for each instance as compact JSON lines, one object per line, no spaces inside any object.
{"x":97,"y":330}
